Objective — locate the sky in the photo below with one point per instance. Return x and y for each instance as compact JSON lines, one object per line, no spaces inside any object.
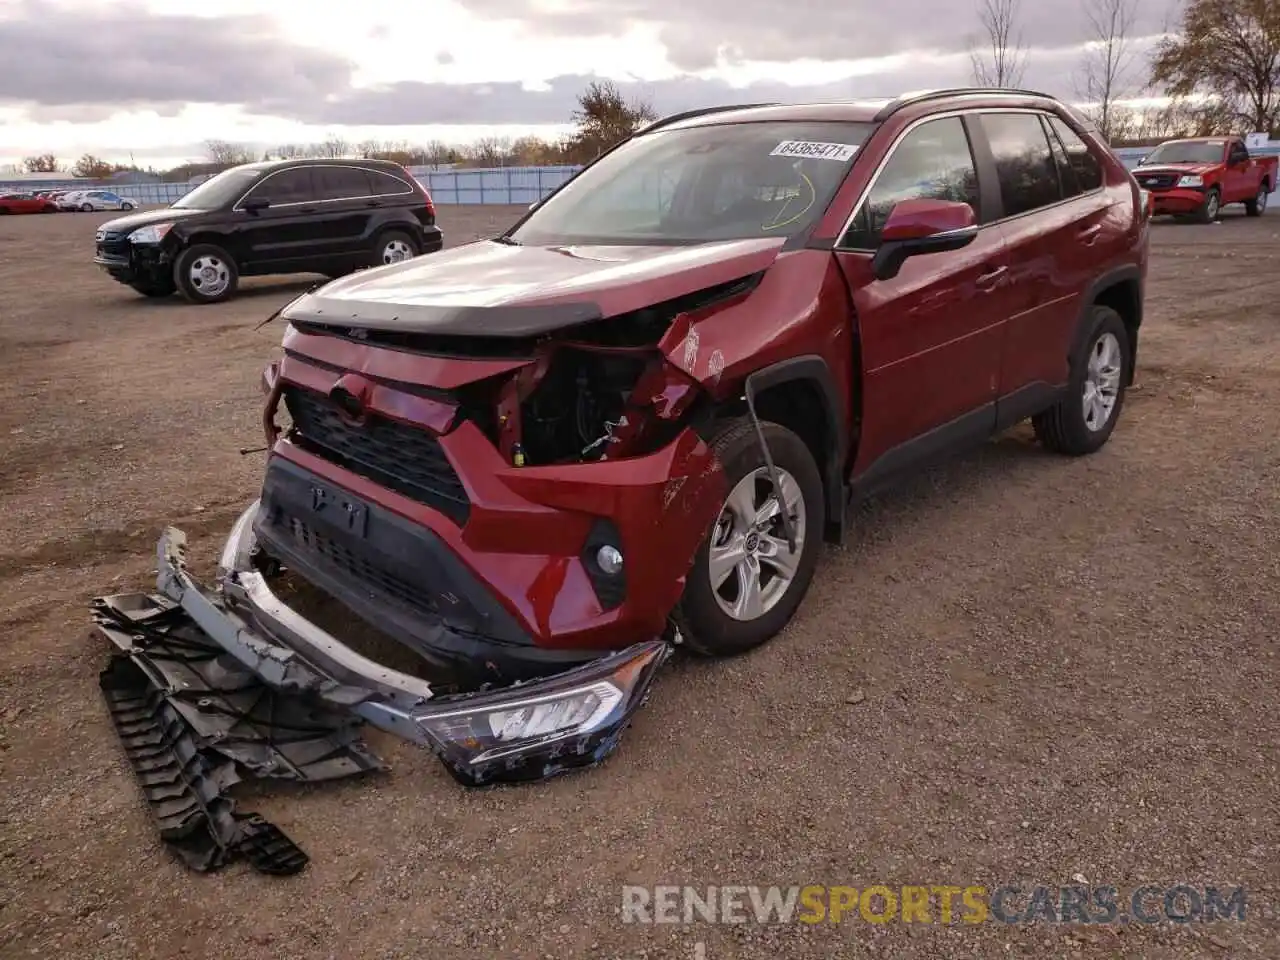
{"x":151,"y":80}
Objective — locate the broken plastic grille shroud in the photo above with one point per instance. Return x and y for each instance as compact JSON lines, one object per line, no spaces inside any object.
{"x":395,"y":455}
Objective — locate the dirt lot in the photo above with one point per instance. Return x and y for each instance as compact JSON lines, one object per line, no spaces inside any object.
{"x":1018,"y":669}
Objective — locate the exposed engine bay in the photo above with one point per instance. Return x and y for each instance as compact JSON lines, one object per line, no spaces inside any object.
{"x":579,"y":406}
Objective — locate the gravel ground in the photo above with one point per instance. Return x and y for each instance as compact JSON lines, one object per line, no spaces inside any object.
{"x":1019,"y":668}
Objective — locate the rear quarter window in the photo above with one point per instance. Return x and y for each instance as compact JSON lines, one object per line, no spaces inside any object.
{"x":1084,"y":164}
{"x":387,"y":185}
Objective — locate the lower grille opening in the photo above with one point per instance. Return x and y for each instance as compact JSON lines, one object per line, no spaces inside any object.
{"x":357,"y":567}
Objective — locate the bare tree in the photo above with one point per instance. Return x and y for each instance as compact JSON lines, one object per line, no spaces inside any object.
{"x":998,"y":57}
{"x":1104,"y":74}
{"x":223,"y":153}
{"x":44,"y":163}
{"x":332,"y":147}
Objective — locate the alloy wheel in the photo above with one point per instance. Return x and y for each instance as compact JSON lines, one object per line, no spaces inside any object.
{"x":209,"y":275}
{"x":1102,"y":382}
{"x":396,"y":251}
{"x":750,"y":564}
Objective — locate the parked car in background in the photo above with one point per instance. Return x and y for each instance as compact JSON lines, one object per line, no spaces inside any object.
{"x":70,"y":200}
{"x":274,"y":217}
{"x":93,"y":200}
{"x":1195,"y":178}
{"x":25,"y":203}
{"x":631,"y":420}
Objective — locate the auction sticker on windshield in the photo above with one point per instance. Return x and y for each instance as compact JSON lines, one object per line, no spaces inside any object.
{"x":808,"y":150}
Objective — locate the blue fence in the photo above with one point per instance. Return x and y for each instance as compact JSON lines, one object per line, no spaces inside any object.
{"x":497,"y":185}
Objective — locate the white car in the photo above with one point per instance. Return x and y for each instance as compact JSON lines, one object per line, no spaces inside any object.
{"x":91,"y":200}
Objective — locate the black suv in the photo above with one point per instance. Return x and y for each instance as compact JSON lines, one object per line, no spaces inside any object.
{"x":282,"y":216}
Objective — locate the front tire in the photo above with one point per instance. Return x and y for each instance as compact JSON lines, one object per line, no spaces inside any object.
{"x":126,"y":206}
{"x":86,"y":208}
{"x":1211,"y":207}
{"x":1258,"y":205}
{"x":1082,"y":421}
{"x":206,"y":273}
{"x":745,"y":584}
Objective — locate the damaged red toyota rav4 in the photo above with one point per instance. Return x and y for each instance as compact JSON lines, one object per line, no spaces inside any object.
{"x":542,"y":461}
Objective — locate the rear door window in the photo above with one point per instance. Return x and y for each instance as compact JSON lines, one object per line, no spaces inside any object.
{"x":1025,"y":167}
{"x":341,"y":183}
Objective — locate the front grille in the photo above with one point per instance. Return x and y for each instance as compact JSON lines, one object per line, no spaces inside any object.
{"x":113,"y":245}
{"x":399,"y":457}
{"x":1159,"y":181}
{"x":356,"y":566}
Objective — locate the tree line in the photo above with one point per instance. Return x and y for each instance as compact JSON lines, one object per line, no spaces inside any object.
{"x":1218,"y":67}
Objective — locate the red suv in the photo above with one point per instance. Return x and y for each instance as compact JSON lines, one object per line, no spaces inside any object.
{"x":632,"y":419}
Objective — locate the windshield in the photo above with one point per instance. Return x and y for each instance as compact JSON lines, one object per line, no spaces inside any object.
{"x":226,"y":187}
{"x":701,"y":184}
{"x":1202,"y":152}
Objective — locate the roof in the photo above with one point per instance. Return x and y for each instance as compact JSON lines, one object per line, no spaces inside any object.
{"x":266,"y":165}
{"x":918,"y":102}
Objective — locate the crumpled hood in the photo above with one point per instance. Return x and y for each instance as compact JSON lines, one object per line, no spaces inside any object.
{"x":488,"y":288}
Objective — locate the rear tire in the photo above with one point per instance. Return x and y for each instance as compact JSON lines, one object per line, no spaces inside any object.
{"x":757,"y":595}
{"x":1258,"y":205}
{"x":1082,"y":421}
{"x":86,"y":208}
{"x":394,"y":246}
{"x":1211,"y":207}
{"x":206,"y":273}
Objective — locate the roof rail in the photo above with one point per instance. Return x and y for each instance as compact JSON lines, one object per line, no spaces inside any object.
{"x":910,"y":99}
{"x":701,"y":112}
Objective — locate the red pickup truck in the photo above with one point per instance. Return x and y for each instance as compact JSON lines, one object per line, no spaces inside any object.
{"x":1195,"y":179}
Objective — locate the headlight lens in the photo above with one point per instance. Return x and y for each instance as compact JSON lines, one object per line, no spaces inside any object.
{"x":153,"y":233}
{"x":538,"y":720}
{"x":535,"y":730}
{"x":1191,"y":180}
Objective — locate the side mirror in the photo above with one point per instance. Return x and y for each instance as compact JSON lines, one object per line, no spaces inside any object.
{"x":254,"y":204}
{"x":918,"y":227}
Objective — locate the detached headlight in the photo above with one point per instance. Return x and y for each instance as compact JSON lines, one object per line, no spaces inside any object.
{"x":1191,"y":180}
{"x":150,"y":234}
{"x":535,"y":730}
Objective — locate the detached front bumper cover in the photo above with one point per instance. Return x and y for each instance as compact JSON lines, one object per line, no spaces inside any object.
{"x":523,"y":732}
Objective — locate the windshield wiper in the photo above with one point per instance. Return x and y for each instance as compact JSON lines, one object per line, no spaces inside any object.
{"x":506,"y":240}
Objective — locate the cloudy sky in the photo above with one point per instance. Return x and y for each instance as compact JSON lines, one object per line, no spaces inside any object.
{"x":155,"y":79}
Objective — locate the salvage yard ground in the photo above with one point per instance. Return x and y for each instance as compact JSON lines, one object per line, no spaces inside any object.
{"x":1018,"y":669}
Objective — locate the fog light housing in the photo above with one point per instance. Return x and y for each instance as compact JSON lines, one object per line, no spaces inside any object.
{"x":609,"y":559}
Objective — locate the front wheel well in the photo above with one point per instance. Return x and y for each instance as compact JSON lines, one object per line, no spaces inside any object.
{"x":1125,"y":298}
{"x":801,"y":405}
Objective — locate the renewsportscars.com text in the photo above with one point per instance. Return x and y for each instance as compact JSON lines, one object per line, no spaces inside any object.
{"x":878,"y":903}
